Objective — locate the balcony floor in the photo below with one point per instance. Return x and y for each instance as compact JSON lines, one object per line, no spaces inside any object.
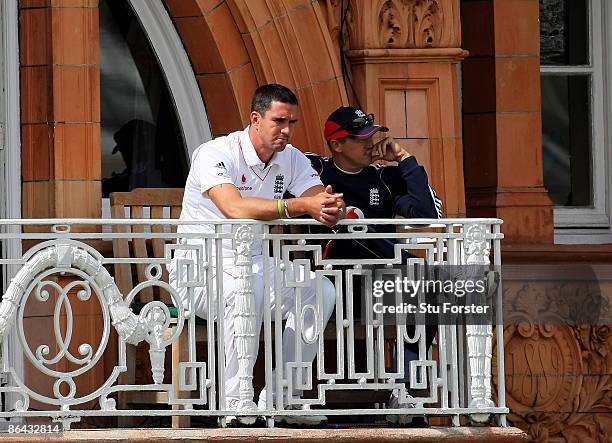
{"x":378,"y":435}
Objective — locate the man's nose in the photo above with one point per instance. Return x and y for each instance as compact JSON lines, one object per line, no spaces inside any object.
{"x":286,"y":130}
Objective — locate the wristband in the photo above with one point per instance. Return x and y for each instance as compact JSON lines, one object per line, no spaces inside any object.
{"x":286,"y":208}
{"x":279,"y":208}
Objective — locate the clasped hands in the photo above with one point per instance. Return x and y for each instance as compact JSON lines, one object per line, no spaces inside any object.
{"x":328,"y":207}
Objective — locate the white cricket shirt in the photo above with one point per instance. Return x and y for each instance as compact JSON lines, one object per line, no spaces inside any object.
{"x":232,"y":159}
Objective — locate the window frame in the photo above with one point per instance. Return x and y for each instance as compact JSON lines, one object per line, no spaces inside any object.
{"x":10,"y":120}
{"x":176,"y":68}
{"x":582,"y":224}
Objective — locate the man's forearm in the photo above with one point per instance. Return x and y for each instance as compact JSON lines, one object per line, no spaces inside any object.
{"x":418,"y":201}
{"x":264,"y":209}
{"x":323,"y":206}
{"x":297,"y":206}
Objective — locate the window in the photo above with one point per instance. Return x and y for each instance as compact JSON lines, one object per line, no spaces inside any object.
{"x":574,"y":132}
{"x":142,"y":141}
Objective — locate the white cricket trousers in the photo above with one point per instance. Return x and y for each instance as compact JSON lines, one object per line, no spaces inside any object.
{"x":286,"y":302}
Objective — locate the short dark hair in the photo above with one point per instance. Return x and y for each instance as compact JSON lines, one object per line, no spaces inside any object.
{"x":266,"y":94}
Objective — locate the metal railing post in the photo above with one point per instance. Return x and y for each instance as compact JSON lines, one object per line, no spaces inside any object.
{"x":244,"y":320}
{"x":479,"y":336}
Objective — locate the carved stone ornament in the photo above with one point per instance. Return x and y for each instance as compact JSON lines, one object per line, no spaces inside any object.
{"x":396,"y":24}
{"x":558,"y":372}
{"x":562,"y":355}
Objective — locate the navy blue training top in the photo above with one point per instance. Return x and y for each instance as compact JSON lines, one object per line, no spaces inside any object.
{"x":379,"y":192}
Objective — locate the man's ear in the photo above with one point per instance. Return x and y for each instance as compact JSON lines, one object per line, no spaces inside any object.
{"x":255,"y":118}
{"x":335,"y":146}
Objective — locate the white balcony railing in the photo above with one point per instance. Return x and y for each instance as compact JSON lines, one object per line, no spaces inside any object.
{"x":66,"y":282}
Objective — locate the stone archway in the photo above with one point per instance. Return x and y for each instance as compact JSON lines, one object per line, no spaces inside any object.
{"x":236,"y":45}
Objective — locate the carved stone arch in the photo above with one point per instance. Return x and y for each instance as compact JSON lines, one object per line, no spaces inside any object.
{"x":236,"y":45}
{"x":331,"y":9}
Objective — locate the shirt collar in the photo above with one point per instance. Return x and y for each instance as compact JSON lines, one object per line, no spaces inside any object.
{"x":248,"y":150}
{"x":346,"y":172}
{"x":250,"y":155}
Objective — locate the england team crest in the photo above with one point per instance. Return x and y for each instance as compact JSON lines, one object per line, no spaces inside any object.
{"x":374,"y":197}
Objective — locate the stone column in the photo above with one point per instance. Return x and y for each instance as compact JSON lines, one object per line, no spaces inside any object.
{"x":502,"y":121}
{"x":60,"y":108}
{"x":60,"y":138}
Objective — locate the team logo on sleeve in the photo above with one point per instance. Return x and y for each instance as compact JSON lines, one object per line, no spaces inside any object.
{"x":279,"y":184}
{"x":374,"y":197}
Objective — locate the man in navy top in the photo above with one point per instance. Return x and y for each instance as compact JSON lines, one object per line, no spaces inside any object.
{"x":372,"y":190}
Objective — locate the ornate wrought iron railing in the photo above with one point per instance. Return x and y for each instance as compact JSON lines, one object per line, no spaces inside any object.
{"x":66,"y":280}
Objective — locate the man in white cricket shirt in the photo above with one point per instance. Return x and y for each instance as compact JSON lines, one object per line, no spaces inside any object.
{"x":244,"y":175}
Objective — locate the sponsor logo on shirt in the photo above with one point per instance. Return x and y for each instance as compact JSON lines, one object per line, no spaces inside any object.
{"x":279,"y":184}
{"x":244,"y":187}
{"x":220,"y":165}
{"x":374,"y":197}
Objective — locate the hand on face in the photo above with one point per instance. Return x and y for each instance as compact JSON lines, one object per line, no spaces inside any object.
{"x":387,"y":149}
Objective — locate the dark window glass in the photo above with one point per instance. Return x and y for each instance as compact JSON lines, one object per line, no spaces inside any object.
{"x":564,"y":32}
{"x":566,"y":139}
{"x":142,"y":143}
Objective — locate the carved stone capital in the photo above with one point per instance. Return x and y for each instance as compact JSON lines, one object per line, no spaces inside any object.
{"x":477,"y":246}
{"x":394,"y":24}
{"x":387,"y":56}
